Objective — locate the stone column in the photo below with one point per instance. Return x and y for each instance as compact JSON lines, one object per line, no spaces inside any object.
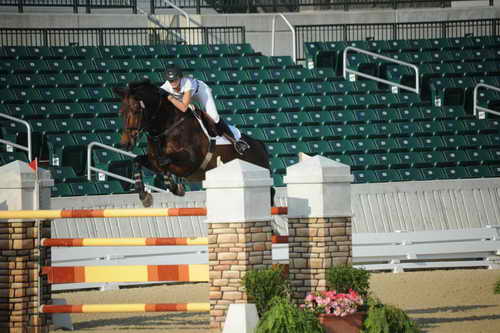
{"x":319,"y":222}
{"x":239,"y":231}
{"x":20,"y":258}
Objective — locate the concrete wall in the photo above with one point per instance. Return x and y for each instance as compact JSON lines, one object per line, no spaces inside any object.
{"x":258,"y":26}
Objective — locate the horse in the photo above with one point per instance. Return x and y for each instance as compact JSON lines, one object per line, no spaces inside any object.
{"x":176,"y":142}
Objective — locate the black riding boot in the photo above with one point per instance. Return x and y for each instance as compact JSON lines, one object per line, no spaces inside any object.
{"x":239,"y":145}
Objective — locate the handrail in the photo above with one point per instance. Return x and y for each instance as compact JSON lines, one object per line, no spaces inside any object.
{"x":28,"y":126}
{"x":368,"y":76}
{"x":482,"y":115}
{"x":183,"y":12}
{"x":294,"y":36}
{"x":90,"y":168}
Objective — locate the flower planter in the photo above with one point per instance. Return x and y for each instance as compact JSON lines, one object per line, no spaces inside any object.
{"x":348,"y":324}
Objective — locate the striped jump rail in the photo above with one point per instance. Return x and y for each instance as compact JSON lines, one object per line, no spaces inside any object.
{"x":101,"y":308}
{"x":132,"y":273}
{"x":112,"y":212}
{"x":148,"y":241}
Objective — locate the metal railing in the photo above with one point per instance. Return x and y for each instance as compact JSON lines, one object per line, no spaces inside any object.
{"x":15,"y":145}
{"x":282,"y":6}
{"x":294,"y":36}
{"x":480,"y":111}
{"x":120,"y":36}
{"x":91,"y":168}
{"x":346,"y":70}
{"x":393,"y":31}
{"x":75,"y":4}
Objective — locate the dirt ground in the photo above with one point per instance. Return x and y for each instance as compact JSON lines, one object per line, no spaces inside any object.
{"x":444,"y":301}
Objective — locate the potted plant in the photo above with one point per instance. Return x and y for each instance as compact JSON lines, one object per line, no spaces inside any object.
{"x":285,"y":317}
{"x":337,"y":312}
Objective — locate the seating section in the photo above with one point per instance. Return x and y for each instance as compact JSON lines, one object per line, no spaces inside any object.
{"x":65,"y":93}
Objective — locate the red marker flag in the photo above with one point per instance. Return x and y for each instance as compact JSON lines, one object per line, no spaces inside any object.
{"x":34,"y":164}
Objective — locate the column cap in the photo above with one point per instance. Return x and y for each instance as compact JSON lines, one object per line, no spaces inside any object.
{"x":18,"y":174}
{"x":318,"y":169}
{"x":236,"y":174}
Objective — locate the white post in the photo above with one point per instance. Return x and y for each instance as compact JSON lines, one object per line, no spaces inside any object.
{"x":239,"y":237}
{"x":319,"y":221}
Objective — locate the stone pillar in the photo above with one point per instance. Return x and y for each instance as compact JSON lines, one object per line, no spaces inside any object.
{"x":20,"y":258}
{"x":319,"y":222}
{"x":239,"y":231}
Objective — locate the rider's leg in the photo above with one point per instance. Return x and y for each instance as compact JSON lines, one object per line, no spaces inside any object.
{"x":206,"y":98}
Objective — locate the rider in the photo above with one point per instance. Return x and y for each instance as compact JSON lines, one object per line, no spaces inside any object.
{"x":184,"y":89}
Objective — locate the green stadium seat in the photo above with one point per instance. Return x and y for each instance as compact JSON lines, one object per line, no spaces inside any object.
{"x":365,"y":176}
{"x":342,"y":147}
{"x":100,"y":94}
{"x":344,"y":101}
{"x":61,"y":190}
{"x":113,"y":124}
{"x":255,"y":120}
{"x":110,"y":139}
{"x":281,"y":62}
{"x":8,"y":157}
{"x":102,"y":79}
{"x":455,"y":172}
{"x":87,"y":52}
{"x":58,"y":144}
{"x":152,"y":64}
{"x":258,"y":90}
{"x":218,"y":77}
{"x":433,"y":173}
{"x":83,"y":189}
{"x":386,"y":160}
{"x":302,"y":88}
{"x":280,"y":75}
{"x":93,"y":125}
{"x":455,"y":142}
{"x":239,"y":77}
{"x":256,"y":133}
{"x":276,"y":149}
{"x":430,"y":128}
{"x":85,"y":65}
{"x":109,"y":187}
{"x":294,"y":148}
{"x":108,"y":65}
{"x":76,"y":94}
{"x":81,"y":79}
{"x":277,"y":134}
{"x":260,"y":75}
{"x":279,"y":89}
{"x":155,"y":77}
{"x":239,"y":62}
{"x":70,"y":109}
{"x":259,"y":62}
{"x":411,"y":144}
{"x":408,"y":129}
{"x":62,"y":174}
{"x":365,"y":101}
{"x":318,"y":147}
{"x":322,"y":103}
{"x":324,"y":88}
{"x":367,"y":131}
{"x":366,"y":116}
{"x":67,"y":125}
{"x":387,"y":175}
{"x":363,"y":161}
{"x":320,"y":117}
{"x":479,"y":171}
{"x":122,"y":79}
{"x":219,"y":63}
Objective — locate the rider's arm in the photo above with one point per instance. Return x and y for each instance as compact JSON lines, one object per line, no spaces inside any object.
{"x":181,"y":105}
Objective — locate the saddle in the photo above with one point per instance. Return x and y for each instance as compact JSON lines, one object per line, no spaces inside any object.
{"x":207,"y":121}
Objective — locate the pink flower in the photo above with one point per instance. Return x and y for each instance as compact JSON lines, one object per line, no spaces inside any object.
{"x":332,"y":303}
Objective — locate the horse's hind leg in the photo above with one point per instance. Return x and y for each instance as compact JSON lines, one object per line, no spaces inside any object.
{"x":175,"y":188}
{"x":146,"y":198}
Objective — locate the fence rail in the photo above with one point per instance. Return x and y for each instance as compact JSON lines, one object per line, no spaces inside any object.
{"x":120,"y":36}
{"x":393,"y":31}
{"x":234,"y":6}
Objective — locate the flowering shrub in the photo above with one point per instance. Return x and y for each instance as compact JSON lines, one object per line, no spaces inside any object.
{"x":329,"y":302}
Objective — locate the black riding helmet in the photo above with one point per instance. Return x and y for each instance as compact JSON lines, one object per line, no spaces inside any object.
{"x":173,"y":73}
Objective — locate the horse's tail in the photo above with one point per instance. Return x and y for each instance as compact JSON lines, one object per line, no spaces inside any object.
{"x":262,"y":149}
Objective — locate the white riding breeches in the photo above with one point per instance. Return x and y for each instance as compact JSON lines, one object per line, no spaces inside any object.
{"x":206,"y":100}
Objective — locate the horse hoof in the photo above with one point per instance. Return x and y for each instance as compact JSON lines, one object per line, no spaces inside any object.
{"x":147,"y":201}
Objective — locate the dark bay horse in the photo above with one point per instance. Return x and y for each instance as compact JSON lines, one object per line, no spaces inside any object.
{"x":176,"y":143}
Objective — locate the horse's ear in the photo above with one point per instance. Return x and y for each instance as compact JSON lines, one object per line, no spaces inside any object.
{"x":122,"y":92}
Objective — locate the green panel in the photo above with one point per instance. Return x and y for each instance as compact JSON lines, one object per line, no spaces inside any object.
{"x":280,"y":75}
{"x":342,"y":146}
{"x":62,"y":174}
{"x":322,"y":102}
{"x":363,"y":161}
{"x":279,"y":89}
{"x":431,"y":143}
{"x":433,"y":173}
{"x":93,"y":125}
{"x":325,"y":88}
{"x":319,"y":147}
{"x":67,"y":125}
{"x":387,"y":175}
{"x":260,"y":75}
{"x":108,"y":65}
{"x":258,"y":90}
{"x":481,"y":155}
{"x":255,"y":133}
{"x":103,"y":79}
{"x":57,"y":144}
{"x":100,"y":94}
{"x":52,"y":95}
{"x":277,"y":134}
{"x":457,"y":172}
{"x":239,"y":77}
{"x":346,"y":116}
{"x":87,"y":52}
{"x":110,"y":52}
{"x":411,"y":143}
{"x":410,"y":174}
{"x":219,"y":63}
{"x":276,"y":148}
{"x":152,"y":64}
{"x":344,"y":101}
{"x":281,"y":61}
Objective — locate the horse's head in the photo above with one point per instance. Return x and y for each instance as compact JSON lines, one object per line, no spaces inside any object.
{"x":140,"y":105}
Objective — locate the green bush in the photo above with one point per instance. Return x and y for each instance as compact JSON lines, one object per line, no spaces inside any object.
{"x":384,"y":318}
{"x":262,"y":285}
{"x":285,"y":317}
{"x":344,"y":277}
{"x":497,"y":287}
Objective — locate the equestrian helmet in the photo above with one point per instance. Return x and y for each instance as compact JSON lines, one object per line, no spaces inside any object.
{"x":173,"y":73}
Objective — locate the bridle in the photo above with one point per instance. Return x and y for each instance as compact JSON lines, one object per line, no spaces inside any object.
{"x":141,"y":128}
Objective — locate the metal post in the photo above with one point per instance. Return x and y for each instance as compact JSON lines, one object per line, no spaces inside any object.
{"x":198,"y":7}
{"x":20,"y":8}
{"x":87,"y":6}
{"x":152,"y":6}
{"x":134,"y":7}
{"x":75,"y":6}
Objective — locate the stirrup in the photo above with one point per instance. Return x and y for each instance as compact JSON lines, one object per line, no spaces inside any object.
{"x":241,"y":146}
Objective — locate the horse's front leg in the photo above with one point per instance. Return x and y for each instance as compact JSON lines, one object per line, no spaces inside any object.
{"x":172,"y":186}
{"x":146,"y":198}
